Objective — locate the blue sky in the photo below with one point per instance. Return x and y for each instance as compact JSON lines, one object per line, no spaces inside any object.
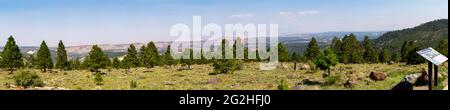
{"x":80,"y":22}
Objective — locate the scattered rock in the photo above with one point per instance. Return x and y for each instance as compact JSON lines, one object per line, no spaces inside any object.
{"x":310,"y":82}
{"x":404,"y":85}
{"x":235,"y":85}
{"x":179,"y":75}
{"x":377,"y":76}
{"x":304,"y":67}
{"x":292,"y":76}
{"x":283,"y":66}
{"x":214,"y":81}
{"x":169,"y":83}
{"x":305,"y":87}
{"x":348,"y":67}
{"x":269,"y":85}
{"x":391,"y":62}
{"x":350,"y":83}
{"x":424,"y":76}
{"x":183,"y":68}
{"x":412,"y":78}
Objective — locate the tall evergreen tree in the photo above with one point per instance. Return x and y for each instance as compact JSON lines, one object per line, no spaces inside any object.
{"x":370,"y":54}
{"x":395,"y":57}
{"x":97,"y":59}
{"x":413,"y":57}
{"x":405,"y":51}
{"x":61,"y":57}
{"x":142,"y":56}
{"x":313,"y":50}
{"x":296,"y":59}
{"x":352,"y":51}
{"x":131,"y":59}
{"x":44,"y":57}
{"x":442,"y":47}
{"x":326,"y":60}
{"x":238,"y":48}
{"x":11,"y":58}
{"x":283,"y":53}
{"x":116,"y":63}
{"x":168,"y":57}
{"x":151,"y":55}
{"x":336,"y":44}
{"x":31,"y":61}
{"x":75,"y":64}
{"x":384,"y":56}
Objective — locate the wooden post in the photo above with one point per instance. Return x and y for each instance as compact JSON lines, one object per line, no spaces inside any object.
{"x":436,"y":74}
{"x":430,"y":74}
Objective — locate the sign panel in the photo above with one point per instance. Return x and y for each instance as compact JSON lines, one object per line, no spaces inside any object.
{"x":433,"y":56}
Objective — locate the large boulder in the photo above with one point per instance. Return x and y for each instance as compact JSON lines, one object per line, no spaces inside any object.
{"x":304,"y":67}
{"x":377,"y":76}
{"x":403,"y":85}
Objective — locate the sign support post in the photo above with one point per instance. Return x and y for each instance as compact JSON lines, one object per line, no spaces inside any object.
{"x":430,"y":75}
{"x":436,"y":75}
{"x":434,"y":59}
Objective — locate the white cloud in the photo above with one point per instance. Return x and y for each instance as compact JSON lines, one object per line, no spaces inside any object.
{"x":248,"y":15}
{"x":286,"y":13}
{"x":299,"y":13}
{"x":309,"y":12}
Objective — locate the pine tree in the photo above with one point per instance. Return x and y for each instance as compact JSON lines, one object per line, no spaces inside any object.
{"x":313,"y":50}
{"x":395,"y":57}
{"x":238,"y":47}
{"x":384,"y":56}
{"x":351,"y":50}
{"x":75,"y":64}
{"x":404,"y":51}
{"x":336,"y":44}
{"x":246,"y":54}
{"x":168,"y":57}
{"x":296,"y":59}
{"x":97,"y":59}
{"x":225,"y":66}
{"x":370,"y":54}
{"x":116,"y":63}
{"x":11,"y":58}
{"x":141,"y":56}
{"x":442,"y":47}
{"x":131,"y":59}
{"x":44,"y":57}
{"x":283,"y":53}
{"x":414,"y":58}
{"x":189,"y":61}
{"x":31,"y":61}
{"x":61,"y":57}
{"x":326,"y":60}
{"x":151,"y":55}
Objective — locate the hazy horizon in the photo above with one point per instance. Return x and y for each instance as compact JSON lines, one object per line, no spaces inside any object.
{"x":85,"y":22}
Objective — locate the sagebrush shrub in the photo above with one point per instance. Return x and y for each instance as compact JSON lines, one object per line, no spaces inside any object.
{"x":283,"y":86}
{"x":226,"y":66}
{"x":98,"y":79}
{"x":27,"y":79}
{"x":133,"y":84}
{"x":333,"y":79}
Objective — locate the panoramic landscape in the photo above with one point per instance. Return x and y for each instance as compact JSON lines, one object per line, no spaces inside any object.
{"x":358,"y":53}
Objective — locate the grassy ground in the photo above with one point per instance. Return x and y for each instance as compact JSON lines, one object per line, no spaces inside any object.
{"x":250,"y":78}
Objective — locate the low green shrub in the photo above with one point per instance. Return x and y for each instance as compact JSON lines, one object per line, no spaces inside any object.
{"x":27,"y":79}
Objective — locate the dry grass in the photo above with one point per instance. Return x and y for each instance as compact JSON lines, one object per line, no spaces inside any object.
{"x":250,"y":78}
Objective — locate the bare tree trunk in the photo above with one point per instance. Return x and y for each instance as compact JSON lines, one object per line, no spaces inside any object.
{"x":11,"y":71}
{"x":295,"y":66}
